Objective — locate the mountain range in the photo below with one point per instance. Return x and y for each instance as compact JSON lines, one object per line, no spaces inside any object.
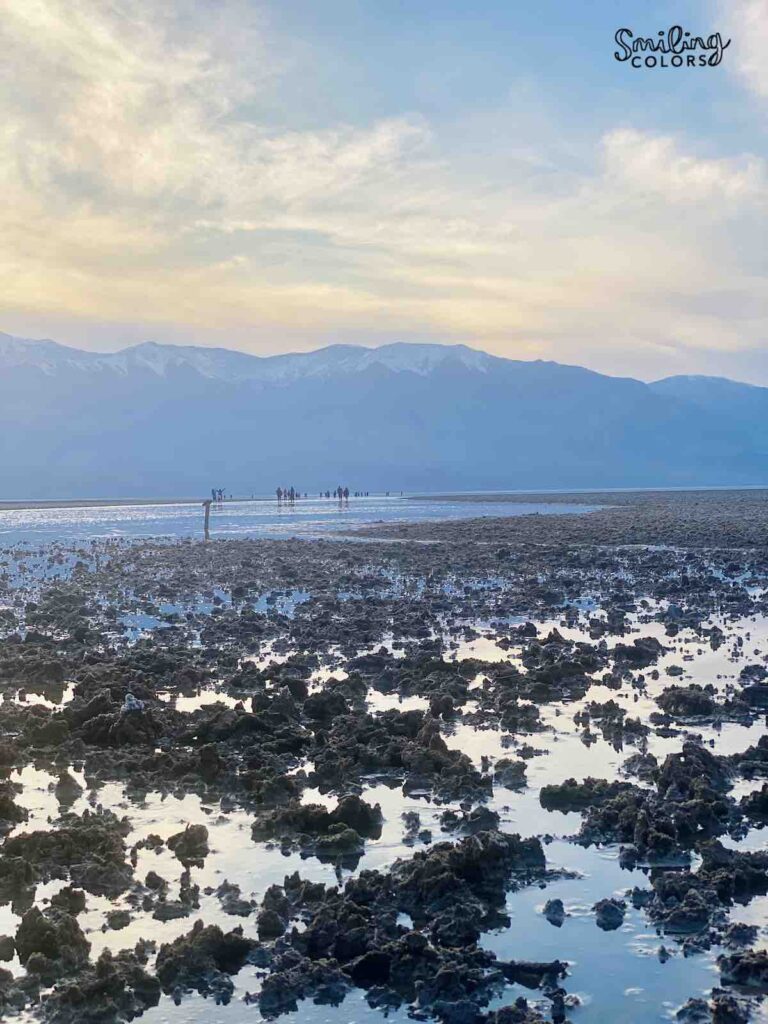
{"x":160,"y":420}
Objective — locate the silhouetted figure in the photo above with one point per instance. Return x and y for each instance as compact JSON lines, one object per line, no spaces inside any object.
{"x":213,"y":494}
{"x":279,"y":493}
{"x":346,"y":494}
{"x":292,"y":495}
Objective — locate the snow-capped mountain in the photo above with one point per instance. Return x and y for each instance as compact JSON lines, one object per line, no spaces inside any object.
{"x":45,"y":355}
{"x":50,"y":358}
{"x":228,"y":365}
{"x":161,"y":420}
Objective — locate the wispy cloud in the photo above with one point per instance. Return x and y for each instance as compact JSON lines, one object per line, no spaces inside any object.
{"x":658,"y":166}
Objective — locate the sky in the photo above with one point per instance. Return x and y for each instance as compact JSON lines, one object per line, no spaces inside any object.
{"x":284,"y":175}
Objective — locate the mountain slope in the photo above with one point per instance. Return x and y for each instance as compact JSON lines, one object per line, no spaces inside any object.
{"x":158,"y":420}
{"x":717,"y":396}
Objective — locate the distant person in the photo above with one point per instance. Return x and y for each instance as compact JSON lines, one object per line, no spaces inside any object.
{"x":279,"y":495}
{"x":346,"y":494}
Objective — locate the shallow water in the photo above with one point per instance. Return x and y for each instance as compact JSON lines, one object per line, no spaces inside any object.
{"x":306,"y":517}
{"x":613,"y":975}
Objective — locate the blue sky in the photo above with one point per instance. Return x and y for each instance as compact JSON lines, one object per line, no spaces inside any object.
{"x":275,"y":177}
{"x":450,"y":60}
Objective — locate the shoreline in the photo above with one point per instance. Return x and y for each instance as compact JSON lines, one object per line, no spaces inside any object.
{"x":53,"y":503}
{"x":618,"y":495}
{"x":22,"y":504}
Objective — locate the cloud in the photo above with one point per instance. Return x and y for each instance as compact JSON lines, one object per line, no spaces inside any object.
{"x":117,"y":99}
{"x":656,"y":165}
{"x":747,"y":22}
{"x":147,"y":175}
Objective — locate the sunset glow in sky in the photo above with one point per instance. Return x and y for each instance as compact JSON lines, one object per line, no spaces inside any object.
{"x":283,"y":175}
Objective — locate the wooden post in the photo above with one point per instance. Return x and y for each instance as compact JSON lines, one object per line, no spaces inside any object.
{"x":207,"y":507}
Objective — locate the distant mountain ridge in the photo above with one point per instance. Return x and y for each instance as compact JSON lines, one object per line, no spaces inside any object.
{"x":228,"y":364}
{"x":161,"y":419}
